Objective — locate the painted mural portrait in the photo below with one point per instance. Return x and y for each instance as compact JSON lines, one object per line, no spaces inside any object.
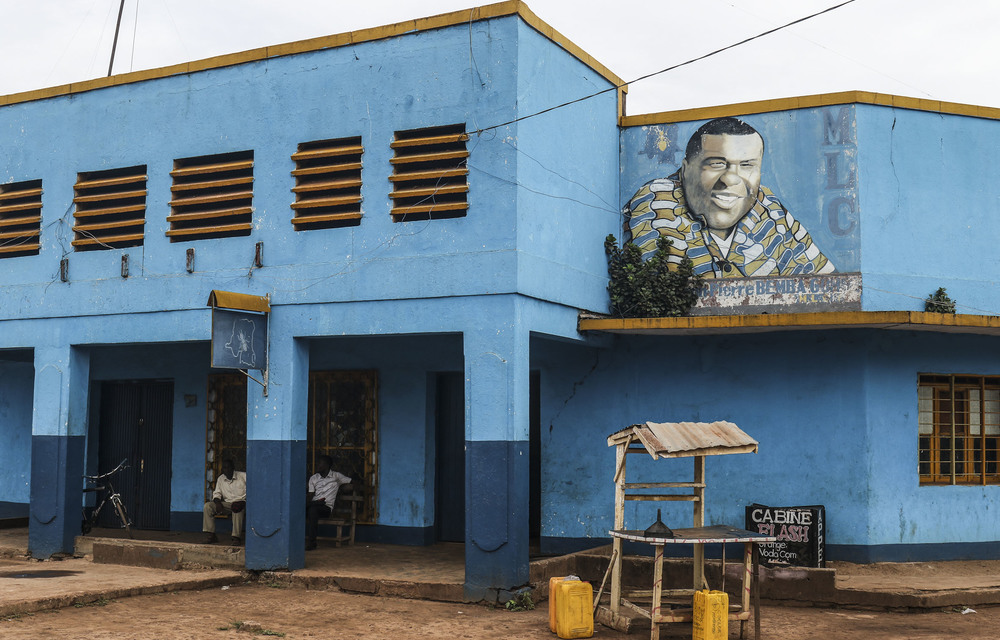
{"x":715,"y":211}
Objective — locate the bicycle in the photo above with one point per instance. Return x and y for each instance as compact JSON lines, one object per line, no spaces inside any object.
{"x":110,"y":495}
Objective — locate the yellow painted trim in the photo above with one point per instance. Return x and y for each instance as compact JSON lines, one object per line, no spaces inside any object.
{"x":791,"y":320}
{"x":464,"y":16}
{"x":241,"y":301}
{"x":805,"y":102}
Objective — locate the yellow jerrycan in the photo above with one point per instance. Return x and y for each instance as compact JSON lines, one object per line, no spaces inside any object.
{"x":573,"y":603}
{"x":710,"y":619}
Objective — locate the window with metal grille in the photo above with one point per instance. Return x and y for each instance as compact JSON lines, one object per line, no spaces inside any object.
{"x":212,"y":197}
{"x":226,"y":430}
{"x":959,"y":429}
{"x":110,"y":209}
{"x":430,"y":173}
{"x":343,"y":424}
{"x":20,"y":218}
{"x":327,"y":184}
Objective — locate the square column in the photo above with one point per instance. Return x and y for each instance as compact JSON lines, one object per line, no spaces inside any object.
{"x":496,"y":435}
{"x":58,"y":442}
{"x":276,"y":457}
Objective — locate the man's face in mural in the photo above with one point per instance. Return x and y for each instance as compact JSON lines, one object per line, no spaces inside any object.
{"x":721,"y":181}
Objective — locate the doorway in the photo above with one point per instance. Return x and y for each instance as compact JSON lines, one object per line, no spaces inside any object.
{"x":136,"y":425}
{"x":449,"y":477}
{"x":449,"y":474}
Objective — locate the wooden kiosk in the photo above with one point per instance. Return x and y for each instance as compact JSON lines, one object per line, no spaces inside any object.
{"x":675,"y":440}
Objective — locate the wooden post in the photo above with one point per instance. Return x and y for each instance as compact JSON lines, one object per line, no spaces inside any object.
{"x":747,"y":582}
{"x":654,"y":610}
{"x":621,"y":452}
{"x":699,"y":520}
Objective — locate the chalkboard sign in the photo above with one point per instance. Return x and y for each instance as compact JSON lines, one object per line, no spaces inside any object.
{"x":239,"y":339}
{"x":801,"y":533}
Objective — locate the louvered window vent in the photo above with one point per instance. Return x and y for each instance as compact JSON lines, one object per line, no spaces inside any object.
{"x":20,"y":218}
{"x":212,"y":197}
{"x":430,"y":178}
{"x":327,"y":184}
{"x":110,"y":209}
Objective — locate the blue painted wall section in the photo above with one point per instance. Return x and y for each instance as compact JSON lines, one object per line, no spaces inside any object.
{"x":276,"y":455}
{"x":496,"y":424}
{"x":16,"y":389}
{"x":57,"y":449}
{"x":916,"y":169}
{"x":900,"y":196}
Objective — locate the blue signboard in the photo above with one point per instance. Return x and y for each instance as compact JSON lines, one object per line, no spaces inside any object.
{"x":239,"y":339}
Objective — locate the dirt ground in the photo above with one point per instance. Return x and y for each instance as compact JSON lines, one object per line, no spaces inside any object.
{"x":257,"y":610}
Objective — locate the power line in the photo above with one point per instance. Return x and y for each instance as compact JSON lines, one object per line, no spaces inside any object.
{"x":656,"y":73}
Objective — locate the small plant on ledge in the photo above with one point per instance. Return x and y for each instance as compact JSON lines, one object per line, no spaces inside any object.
{"x":939,"y":302}
{"x":648,"y":289}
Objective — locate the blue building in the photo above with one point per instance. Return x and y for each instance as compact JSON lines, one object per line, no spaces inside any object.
{"x":420,"y":209}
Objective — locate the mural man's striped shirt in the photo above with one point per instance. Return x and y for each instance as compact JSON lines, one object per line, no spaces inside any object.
{"x":766,"y":241}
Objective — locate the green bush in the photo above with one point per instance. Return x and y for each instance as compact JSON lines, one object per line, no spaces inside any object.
{"x":939,"y":302}
{"x":648,"y":289}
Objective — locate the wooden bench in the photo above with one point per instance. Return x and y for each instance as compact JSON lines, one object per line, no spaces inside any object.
{"x":343,"y":517}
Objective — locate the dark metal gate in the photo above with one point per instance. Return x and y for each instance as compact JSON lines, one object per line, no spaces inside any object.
{"x":449,"y":480}
{"x":136,"y":424}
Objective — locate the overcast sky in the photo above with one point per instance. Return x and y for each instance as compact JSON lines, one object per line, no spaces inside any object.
{"x":921,"y":48}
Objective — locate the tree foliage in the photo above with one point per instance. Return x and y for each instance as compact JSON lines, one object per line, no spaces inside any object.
{"x":939,"y":302}
{"x":648,"y":289}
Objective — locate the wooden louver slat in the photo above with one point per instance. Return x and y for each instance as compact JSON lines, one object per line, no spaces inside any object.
{"x":11,"y":208}
{"x":20,"y":222}
{"x":221,"y":229}
{"x":20,"y":219}
{"x":211,"y":184}
{"x":110,"y":209}
{"x":328,"y":152}
{"x":430,"y":173}
{"x":110,"y":182}
{"x":103,"y":197}
{"x":20,"y":248}
{"x":326,"y":202}
{"x":429,"y":191}
{"x":221,"y":167}
{"x":403,"y":176}
{"x":329,"y":168}
{"x":18,"y":194}
{"x":212,"y":197}
{"x":33,"y":233}
{"x":326,"y":217}
{"x":207,"y":214}
{"x":429,"y":140}
{"x":435,"y":156}
{"x":327,"y":184}
{"x":109,"y":241}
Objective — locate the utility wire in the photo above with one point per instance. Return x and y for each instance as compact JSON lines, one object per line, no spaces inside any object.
{"x":656,"y":73}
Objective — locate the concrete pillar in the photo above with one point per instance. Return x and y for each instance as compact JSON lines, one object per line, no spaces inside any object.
{"x":276,"y":456}
{"x":496,"y":469}
{"x":58,"y":439}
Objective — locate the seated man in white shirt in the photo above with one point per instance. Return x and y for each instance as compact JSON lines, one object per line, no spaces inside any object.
{"x":229,"y":498}
{"x":323,"y":488}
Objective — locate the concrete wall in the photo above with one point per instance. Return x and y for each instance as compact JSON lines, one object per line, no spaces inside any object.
{"x":835,"y":414}
{"x":902,"y":512}
{"x":567,"y":166}
{"x":929,"y":209}
{"x":372,"y":89}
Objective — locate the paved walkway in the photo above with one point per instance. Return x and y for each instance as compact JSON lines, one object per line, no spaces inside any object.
{"x":433,"y":573}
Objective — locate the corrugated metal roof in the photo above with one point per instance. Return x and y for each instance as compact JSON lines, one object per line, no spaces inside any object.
{"x":682,"y":439}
